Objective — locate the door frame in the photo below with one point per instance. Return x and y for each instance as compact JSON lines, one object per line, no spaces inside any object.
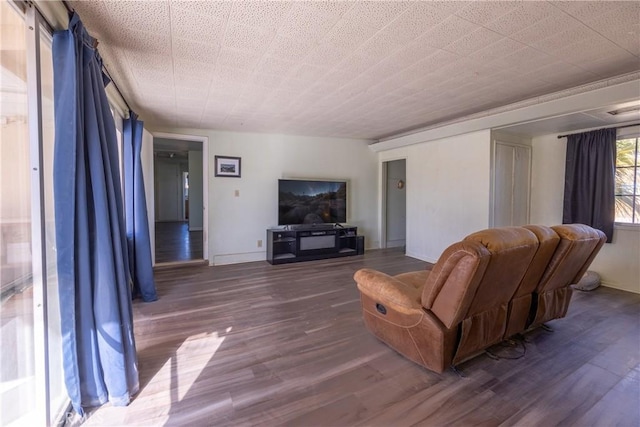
{"x":205,"y":184}
{"x":185,"y":177}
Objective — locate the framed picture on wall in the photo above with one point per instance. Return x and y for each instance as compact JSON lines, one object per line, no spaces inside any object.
{"x":227,"y":166}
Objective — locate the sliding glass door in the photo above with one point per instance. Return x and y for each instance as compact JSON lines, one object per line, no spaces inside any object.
{"x":58,"y":399}
{"x":17,"y":354}
{"x":31,"y":382}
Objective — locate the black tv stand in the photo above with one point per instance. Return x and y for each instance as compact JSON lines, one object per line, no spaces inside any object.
{"x":303,"y":227}
{"x":312,"y":242}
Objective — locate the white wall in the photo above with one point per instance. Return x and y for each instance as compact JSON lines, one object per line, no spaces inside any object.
{"x":237,"y":223}
{"x":618,"y":262}
{"x":195,"y":190}
{"x":448,"y":182}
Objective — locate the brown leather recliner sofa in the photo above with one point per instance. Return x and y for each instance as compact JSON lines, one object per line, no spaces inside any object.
{"x":493,"y":284}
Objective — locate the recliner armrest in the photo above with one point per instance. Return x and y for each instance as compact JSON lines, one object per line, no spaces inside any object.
{"x":388,"y":290}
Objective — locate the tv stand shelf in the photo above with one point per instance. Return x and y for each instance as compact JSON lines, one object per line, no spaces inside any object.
{"x":312,"y":243}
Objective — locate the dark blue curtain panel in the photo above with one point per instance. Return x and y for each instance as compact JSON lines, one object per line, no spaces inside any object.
{"x":99,"y":354}
{"x":139,"y":243}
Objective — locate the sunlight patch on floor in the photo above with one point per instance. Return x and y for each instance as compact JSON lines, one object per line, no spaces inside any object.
{"x":169,"y":386}
{"x":187,"y":367}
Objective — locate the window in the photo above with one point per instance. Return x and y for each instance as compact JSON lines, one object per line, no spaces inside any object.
{"x":628,"y":181}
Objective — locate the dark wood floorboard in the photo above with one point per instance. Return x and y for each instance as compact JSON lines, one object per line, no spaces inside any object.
{"x":174,"y":242}
{"x":255,"y":344}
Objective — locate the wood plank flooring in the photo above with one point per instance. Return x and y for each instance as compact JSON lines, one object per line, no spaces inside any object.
{"x":255,"y":344}
{"x":174,"y":242}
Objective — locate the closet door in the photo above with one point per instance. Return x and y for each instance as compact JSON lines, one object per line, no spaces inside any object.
{"x":511,"y":184}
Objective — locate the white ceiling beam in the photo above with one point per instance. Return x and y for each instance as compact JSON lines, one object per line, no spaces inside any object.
{"x":597,"y":98}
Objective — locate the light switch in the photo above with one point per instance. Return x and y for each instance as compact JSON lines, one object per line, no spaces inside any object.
{"x":237,"y":193}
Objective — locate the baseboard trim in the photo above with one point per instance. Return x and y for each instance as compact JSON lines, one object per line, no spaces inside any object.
{"x":224,"y":259}
{"x":421,"y":257}
{"x":620,"y":288}
{"x":186,"y":263}
{"x":396,"y":243}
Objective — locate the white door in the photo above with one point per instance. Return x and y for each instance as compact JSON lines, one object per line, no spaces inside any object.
{"x":511,"y":184}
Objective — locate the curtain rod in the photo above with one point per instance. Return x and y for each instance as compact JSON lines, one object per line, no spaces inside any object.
{"x":614,"y":127}
{"x":70,"y":10}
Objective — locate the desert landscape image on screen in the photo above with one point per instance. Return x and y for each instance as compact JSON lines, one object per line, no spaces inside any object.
{"x":311,"y":202}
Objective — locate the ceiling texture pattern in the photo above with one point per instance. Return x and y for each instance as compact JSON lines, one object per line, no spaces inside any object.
{"x":352,"y":69}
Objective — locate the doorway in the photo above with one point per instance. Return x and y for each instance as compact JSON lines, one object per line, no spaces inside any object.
{"x":179,"y":198}
{"x":394,"y":224}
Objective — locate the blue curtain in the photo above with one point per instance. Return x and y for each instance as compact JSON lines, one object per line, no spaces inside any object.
{"x":589,"y":183}
{"x":139,"y":243}
{"x":99,"y":354}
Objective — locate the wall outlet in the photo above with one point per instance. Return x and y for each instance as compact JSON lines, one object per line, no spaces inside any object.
{"x":259,"y":243}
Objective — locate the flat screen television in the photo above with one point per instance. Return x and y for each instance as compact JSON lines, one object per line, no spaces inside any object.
{"x":311,"y":202}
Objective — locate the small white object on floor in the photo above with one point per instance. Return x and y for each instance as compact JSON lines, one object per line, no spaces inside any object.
{"x":589,"y":281}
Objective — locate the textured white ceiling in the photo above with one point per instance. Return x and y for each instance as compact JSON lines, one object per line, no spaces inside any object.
{"x":352,"y":69}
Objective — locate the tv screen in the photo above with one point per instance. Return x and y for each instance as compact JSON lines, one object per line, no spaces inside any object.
{"x":311,"y":202}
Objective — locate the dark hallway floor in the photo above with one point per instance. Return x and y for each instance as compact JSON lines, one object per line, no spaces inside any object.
{"x":174,"y":242}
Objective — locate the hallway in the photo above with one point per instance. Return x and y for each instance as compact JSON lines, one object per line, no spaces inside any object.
{"x":174,"y":242}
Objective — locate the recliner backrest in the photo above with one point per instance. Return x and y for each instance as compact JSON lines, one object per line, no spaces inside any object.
{"x":473,"y":282}
{"x":520,"y":304}
{"x":579,"y":244}
{"x":548,"y":241}
{"x":453,"y":281}
{"x":511,"y":249}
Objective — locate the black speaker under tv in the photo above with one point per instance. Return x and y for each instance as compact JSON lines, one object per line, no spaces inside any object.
{"x":311,"y":202}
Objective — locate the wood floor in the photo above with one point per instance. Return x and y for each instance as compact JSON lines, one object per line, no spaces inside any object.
{"x":255,"y":344}
{"x":174,"y":242}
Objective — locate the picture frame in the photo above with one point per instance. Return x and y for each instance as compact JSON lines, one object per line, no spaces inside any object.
{"x":227,"y":166}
